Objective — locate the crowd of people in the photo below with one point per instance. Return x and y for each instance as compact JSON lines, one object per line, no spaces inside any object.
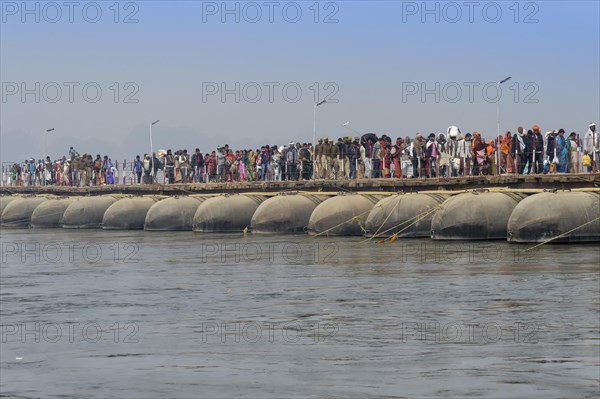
{"x":77,"y":170}
{"x":449,"y":154}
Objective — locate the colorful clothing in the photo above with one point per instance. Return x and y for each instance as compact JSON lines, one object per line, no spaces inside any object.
{"x":562,"y":154}
{"x":110,"y":177}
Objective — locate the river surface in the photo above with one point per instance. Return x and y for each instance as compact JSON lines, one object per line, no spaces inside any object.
{"x":107,"y":314}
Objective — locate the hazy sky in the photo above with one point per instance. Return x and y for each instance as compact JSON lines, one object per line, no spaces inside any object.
{"x":248,"y":73}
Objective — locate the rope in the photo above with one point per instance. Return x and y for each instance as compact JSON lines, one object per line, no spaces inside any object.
{"x":560,"y":235}
{"x":361,"y":226}
{"x":386,"y":219}
{"x":355,"y":217}
{"x":418,"y":217}
{"x":422,"y":217}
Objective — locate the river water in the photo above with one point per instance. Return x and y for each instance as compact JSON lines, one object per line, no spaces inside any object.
{"x":133,"y":314}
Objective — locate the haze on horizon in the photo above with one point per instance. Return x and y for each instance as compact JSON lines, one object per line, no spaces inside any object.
{"x":249,"y":75}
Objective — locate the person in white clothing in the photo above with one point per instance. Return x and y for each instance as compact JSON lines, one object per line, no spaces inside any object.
{"x":465,"y":155}
{"x":361,"y":162}
{"x":591,"y":144}
{"x":573,"y":153}
{"x":453,"y":132}
{"x":453,"y":135}
{"x":444,"y":156}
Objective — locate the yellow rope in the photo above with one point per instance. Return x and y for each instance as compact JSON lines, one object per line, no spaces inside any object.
{"x":386,"y":219}
{"x":355,"y":217}
{"x":422,"y":217}
{"x":391,"y":228}
{"x":560,"y":235}
{"x":364,"y":231}
{"x":418,"y":217}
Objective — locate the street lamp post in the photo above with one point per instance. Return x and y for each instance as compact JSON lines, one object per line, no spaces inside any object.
{"x":46,"y":140}
{"x":347,"y":126}
{"x":315,"y":135}
{"x":498,"y":102}
{"x":315,"y":119}
{"x":152,"y":151}
{"x":498,"y":167}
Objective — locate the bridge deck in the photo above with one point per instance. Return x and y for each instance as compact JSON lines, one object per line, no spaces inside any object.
{"x":553,"y":181}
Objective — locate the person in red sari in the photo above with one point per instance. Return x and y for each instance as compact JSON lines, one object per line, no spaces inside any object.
{"x":229,"y":161}
{"x":479,"y":149}
{"x":396,"y":154}
{"x":211,"y":167}
{"x":385,"y":154}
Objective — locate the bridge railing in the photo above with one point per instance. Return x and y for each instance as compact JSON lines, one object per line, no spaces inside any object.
{"x":124,"y":172}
